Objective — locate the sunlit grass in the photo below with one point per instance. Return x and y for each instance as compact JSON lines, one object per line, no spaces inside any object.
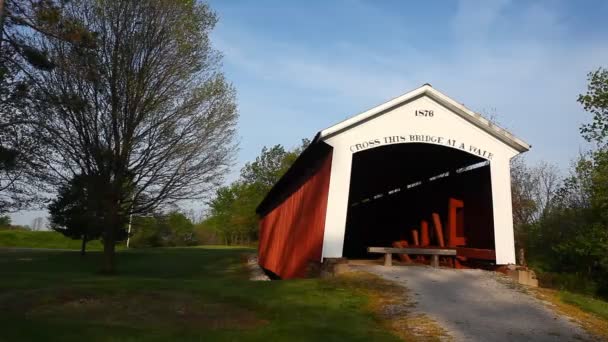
{"x":586,"y":303}
{"x":589,"y":312}
{"x":42,"y":239}
{"x":171,"y":294}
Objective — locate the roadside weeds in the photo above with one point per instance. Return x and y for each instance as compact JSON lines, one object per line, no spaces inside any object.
{"x":591,"y":323}
{"x":594,"y":325}
{"x":393,"y":307}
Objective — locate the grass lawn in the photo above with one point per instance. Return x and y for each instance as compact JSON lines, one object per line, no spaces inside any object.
{"x":42,"y":239}
{"x":586,"y":303}
{"x":180,"y":294}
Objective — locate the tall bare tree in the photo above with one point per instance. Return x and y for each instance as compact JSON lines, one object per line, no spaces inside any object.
{"x":19,"y":189}
{"x":20,"y":168}
{"x":533,"y":190}
{"x":522,"y":193}
{"x":18,"y":148}
{"x":139,"y":108}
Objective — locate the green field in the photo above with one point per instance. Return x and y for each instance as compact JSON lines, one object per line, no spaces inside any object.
{"x":197,"y":294}
{"x":42,"y":239}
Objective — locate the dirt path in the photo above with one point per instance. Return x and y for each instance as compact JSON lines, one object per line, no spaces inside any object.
{"x":475,"y":305}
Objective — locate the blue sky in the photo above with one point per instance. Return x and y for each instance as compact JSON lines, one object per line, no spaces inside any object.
{"x":301,"y":66}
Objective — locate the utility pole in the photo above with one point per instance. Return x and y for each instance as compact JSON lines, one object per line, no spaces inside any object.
{"x":130,"y":221}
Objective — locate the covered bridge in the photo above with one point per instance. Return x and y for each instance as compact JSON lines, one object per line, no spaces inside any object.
{"x":420,"y":168}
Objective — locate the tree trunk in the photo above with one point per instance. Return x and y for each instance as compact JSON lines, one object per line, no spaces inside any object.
{"x":109,"y":244}
{"x":1,"y":23}
{"x":113,"y":225}
{"x":83,"y":247}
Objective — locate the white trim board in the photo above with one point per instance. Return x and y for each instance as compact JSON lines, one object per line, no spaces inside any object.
{"x":473,"y":117}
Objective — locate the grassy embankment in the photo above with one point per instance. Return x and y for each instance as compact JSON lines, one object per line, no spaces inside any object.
{"x":42,"y":239}
{"x":590,"y":312}
{"x":575,"y":295}
{"x":180,"y":294}
{"x":592,"y":305}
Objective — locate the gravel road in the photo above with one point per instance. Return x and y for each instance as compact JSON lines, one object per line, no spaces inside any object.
{"x":475,"y":305}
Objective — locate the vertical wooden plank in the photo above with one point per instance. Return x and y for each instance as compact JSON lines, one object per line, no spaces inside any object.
{"x":438,"y":229}
{"x":291,"y":235}
{"x":424,"y":232}
{"x":455,"y":223}
{"x":415,"y":237}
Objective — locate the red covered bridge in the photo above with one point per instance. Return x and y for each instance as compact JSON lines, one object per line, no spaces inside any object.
{"x":384,"y":177}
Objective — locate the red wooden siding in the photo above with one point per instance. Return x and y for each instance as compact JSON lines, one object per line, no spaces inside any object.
{"x":291,"y":235}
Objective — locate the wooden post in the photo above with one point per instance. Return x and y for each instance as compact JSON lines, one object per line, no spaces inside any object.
{"x":438,"y":229}
{"x":455,"y":223}
{"x":424,"y":232}
{"x":388,"y":259}
{"x":435,"y":260}
{"x":415,"y":237}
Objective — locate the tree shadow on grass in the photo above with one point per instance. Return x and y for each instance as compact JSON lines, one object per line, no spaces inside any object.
{"x":184,"y":293}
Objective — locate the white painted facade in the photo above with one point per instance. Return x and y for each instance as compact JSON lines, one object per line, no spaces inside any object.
{"x":451,"y":125}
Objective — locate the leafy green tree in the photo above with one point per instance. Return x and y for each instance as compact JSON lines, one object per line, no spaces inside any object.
{"x":5,"y":221}
{"x":170,"y":230}
{"x":180,"y":230}
{"x":207,"y":234}
{"x":270,"y":165}
{"x":75,"y":213}
{"x":144,"y":232}
{"x":595,"y":101}
{"x":232,"y":212}
{"x":573,"y":238}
